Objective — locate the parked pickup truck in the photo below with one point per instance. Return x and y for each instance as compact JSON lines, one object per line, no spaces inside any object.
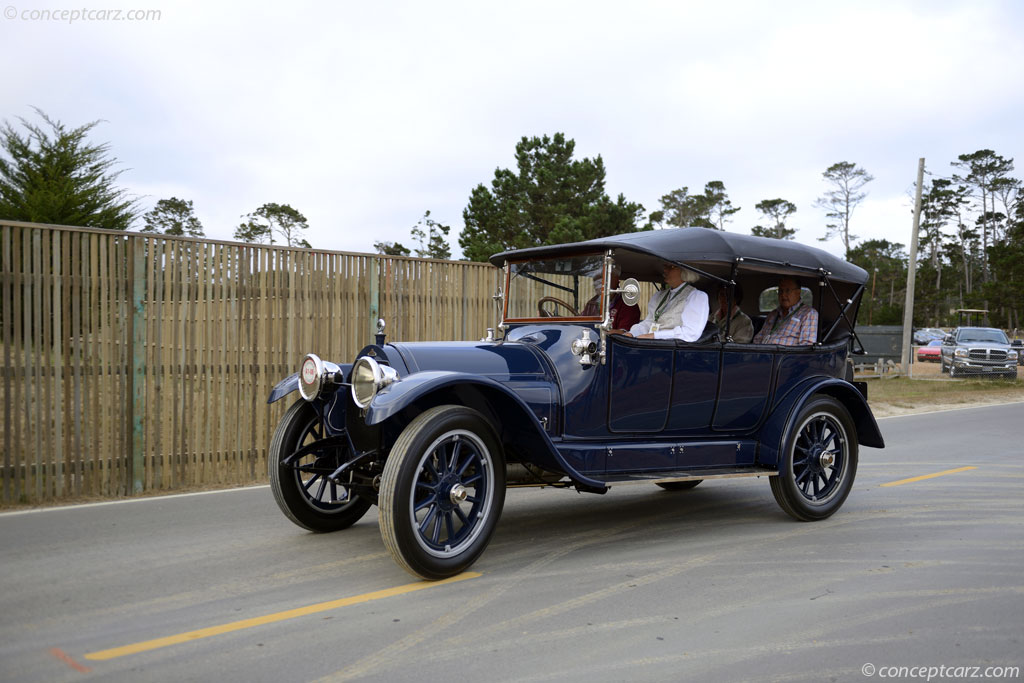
{"x":978,"y":351}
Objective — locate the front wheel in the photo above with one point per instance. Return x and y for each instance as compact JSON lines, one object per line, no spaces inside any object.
{"x":442,"y":492}
{"x":302,"y":490}
{"x":819,"y":462}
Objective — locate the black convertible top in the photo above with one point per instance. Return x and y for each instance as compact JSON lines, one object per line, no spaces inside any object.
{"x":699,"y":246}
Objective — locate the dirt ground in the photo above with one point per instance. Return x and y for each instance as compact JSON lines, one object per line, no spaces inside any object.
{"x":927,"y":390}
{"x":881,"y":409}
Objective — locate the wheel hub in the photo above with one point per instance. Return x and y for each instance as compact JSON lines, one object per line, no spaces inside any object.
{"x":458,"y":494}
{"x":826,"y":459}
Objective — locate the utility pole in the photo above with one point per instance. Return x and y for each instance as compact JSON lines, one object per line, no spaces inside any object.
{"x":908,"y":307}
{"x":871,"y":310}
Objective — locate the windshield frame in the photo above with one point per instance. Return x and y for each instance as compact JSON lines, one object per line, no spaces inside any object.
{"x":513,"y":271}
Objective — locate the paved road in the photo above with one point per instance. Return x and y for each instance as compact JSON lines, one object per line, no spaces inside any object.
{"x":637,"y":585}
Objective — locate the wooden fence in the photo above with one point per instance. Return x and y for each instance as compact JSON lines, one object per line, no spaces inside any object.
{"x":138,"y":362}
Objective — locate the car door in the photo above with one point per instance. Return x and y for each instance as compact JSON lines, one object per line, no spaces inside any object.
{"x":747,"y":375}
{"x":946,"y":352}
{"x":640,"y":384}
{"x":662,"y":386}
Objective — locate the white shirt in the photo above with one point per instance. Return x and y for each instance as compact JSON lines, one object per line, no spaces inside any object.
{"x":684,"y":315}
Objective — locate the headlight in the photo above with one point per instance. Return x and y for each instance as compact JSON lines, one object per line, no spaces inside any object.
{"x":368,"y":378}
{"x":960,"y":353}
{"x":1012,"y":355}
{"x":311,"y":377}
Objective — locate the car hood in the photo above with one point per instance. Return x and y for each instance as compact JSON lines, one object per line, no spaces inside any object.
{"x":501,"y":361}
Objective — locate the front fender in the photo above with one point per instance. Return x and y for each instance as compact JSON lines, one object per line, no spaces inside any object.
{"x":284,"y":387}
{"x":518,"y":425}
{"x":776,"y":430}
{"x":291,"y":383}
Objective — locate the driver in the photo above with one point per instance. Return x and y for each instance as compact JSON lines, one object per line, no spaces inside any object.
{"x":623,"y":317}
{"x":680,"y":311}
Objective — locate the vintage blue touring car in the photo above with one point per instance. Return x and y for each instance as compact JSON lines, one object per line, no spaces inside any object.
{"x":433,"y":432}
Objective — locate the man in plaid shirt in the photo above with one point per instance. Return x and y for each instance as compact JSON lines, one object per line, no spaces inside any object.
{"x":793,"y":323}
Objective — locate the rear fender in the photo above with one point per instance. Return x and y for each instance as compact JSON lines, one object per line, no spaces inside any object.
{"x":776,"y":430}
{"x":518,"y":427}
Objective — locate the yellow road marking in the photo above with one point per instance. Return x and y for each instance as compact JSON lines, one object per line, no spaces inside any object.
{"x":271,"y":618}
{"x":928,"y":476}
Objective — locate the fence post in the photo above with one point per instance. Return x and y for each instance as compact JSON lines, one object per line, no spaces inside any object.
{"x":374,"y":294}
{"x":137,"y":353}
{"x":7,"y":337}
{"x":465,"y":299}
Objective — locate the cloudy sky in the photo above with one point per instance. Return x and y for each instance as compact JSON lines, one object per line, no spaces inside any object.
{"x":364,"y":115}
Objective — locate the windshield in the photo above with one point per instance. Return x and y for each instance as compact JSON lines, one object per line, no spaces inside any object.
{"x":994,"y":336}
{"x":556,"y":287}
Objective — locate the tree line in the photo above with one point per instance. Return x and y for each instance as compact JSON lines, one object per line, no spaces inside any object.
{"x":971,"y":249}
{"x":971,"y":239}
{"x":51,"y":173}
{"x":551,"y":198}
{"x":971,"y":230}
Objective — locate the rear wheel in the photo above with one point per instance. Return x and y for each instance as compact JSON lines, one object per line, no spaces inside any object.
{"x":679,"y":485}
{"x":819,"y":461}
{"x":302,"y":489}
{"x":442,"y":492}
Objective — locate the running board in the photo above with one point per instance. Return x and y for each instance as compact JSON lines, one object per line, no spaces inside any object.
{"x":687,"y":475}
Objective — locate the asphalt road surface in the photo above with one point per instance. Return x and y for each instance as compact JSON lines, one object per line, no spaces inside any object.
{"x":641,"y":584}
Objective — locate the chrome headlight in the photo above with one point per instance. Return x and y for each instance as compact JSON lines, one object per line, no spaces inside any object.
{"x":368,"y":378}
{"x":1011,"y":355}
{"x":960,"y":353}
{"x":311,"y":377}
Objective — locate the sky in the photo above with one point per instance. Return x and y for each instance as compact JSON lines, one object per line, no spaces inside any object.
{"x":364,"y":115}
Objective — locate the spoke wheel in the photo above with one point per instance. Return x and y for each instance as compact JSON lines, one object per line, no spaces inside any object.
{"x":442,"y":492}
{"x":304,"y":493}
{"x":819,"y":462}
{"x":679,"y":485}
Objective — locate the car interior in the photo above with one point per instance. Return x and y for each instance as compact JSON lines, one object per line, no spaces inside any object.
{"x":761,"y":293}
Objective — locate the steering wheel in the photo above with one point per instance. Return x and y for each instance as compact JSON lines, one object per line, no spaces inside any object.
{"x":551,"y":299}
